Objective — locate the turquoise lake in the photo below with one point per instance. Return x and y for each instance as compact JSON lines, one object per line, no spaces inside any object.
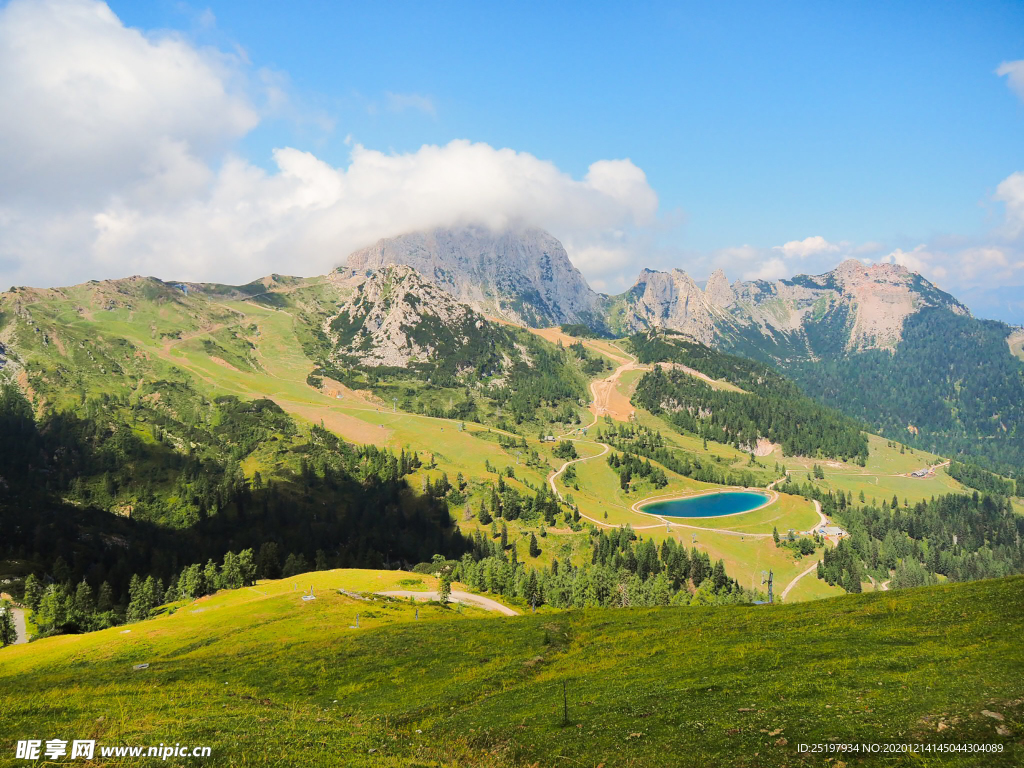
{"x":709,"y":505}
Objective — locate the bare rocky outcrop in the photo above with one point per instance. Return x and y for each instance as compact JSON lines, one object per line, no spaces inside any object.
{"x":395,"y":318}
{"x":718,"y":291}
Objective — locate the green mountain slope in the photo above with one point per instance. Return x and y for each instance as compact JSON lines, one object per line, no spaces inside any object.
{"x":265,"y":678}
{"x":761,"y":405}
{"x":100,"y":498}
{"x":950,"y":385}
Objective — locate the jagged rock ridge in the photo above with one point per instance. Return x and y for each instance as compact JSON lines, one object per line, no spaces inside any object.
{"x":855,"y":306}
{"x":395,"y":318}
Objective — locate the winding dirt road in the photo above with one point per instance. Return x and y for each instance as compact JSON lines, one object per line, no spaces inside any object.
{"x":602,"y":388}
{"x":607,"y":400}
{"x":812,"y":567}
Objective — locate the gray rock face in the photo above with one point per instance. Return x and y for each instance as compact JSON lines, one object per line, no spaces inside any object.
{"x":671,"y":300}
{"x":522,"y":274}
{"x":718,"y":291}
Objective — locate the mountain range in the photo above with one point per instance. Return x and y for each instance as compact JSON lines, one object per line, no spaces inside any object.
{"x":524,"y":275}
{"x":879,"y":341}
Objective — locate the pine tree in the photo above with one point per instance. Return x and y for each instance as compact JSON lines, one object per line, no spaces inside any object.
{"x":530,"y":588}
{"x":211,"y":577}
{"x":33,"y":592}
{"x":504,"y":536}
{"x":269,"y":562}
{"x":8,"y":633}
{"x":84,"y":605}
{"x":138,"y":602}
{"x":247,"y":567}
{"x":105,"y":598}
{"x":483,"y":515}
{"x":534,"y":548}
{"x":444,"y":591}
{"x":230,"y":573}
{"x":320,"y":563}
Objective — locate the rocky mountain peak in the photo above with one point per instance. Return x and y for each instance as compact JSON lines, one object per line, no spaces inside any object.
{"x":670,"y":300}
{"x":522,"y":273}
{"x":862,"y":306}
{"x":718,"y":290}
{"x":853,"y":273}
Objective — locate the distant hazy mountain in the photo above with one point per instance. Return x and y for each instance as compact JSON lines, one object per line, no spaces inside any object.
{"x":522,"y":274}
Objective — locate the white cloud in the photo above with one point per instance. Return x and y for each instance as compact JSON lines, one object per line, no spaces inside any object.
{"x":983,"y":262}
{"x":308,"y":215}
{"x":810,"y":246}
{"x":116,"y":147}
{"x":771,"y":269}
{"x":914,"y":260}
{"x":1014,"y":72}
{"x":90,"y":105}
{"x":1011,"y":192}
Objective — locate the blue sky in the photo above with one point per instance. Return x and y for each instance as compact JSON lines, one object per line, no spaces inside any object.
{"x":761,"y":121}
{"x":880,"y":128}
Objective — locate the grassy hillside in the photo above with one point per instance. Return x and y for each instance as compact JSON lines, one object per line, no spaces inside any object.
{"x":265,"y":678}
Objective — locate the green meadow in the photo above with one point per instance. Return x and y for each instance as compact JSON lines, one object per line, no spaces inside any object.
{"x":265,"y":678}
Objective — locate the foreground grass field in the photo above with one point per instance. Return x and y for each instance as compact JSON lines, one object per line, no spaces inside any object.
{"x":265,"y":678}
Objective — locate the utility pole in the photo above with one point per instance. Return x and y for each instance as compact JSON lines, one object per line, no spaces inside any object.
{"x":394,"y":405}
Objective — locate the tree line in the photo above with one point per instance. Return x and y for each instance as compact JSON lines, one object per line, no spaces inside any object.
{"x":638,"y":440}
{"x":624,"y":570}
{"x":961,"y":537}
{"x":800,"y":425}
{"x":975,"y":477}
